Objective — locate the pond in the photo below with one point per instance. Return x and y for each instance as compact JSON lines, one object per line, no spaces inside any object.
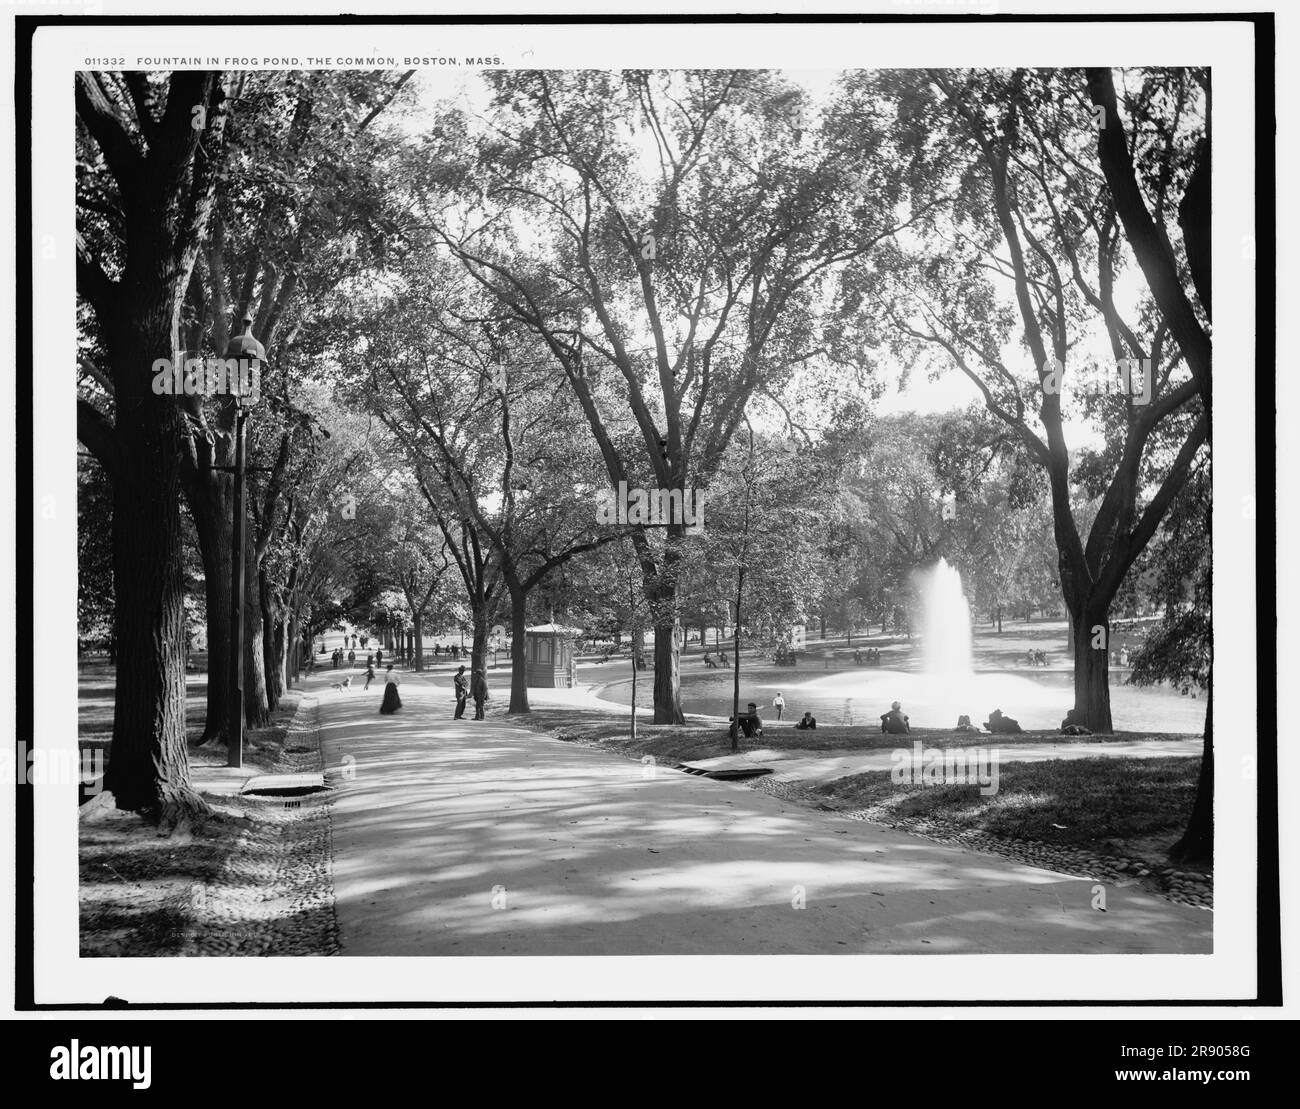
{"x":1037,"y":700}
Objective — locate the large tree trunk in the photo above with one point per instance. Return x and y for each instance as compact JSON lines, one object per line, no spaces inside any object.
{"x":293,"y":664}
{"x":417,"y":622}
{"x":1197,"y":843}
{"x":478,"y":653}
{"x":256,"y":714}
{"x":272,"y":658}
{"x":660,"y":589}
{"x":667,"y":681}
{"x":148,"y":765}
{"x":209,"y":496}
{"x":166,"y":196}
{"x":518,"y":657}
{"x":1092,"y":666}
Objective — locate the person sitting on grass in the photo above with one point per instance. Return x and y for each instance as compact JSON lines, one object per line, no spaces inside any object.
{"x":1075,"y":723}
{"x":751,"y":724}
{"x":808,"y":723}
{"x":997,"y":723}
{"x":894,"y":722}
{"x":709,"y":661}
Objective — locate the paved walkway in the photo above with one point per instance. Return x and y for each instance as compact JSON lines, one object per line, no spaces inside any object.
{"x":460,"y":838}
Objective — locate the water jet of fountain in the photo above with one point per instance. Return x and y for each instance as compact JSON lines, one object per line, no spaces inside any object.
{"x":947,"y":644}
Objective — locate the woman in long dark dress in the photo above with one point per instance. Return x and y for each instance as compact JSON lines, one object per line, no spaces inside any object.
{"x":392,"y":702}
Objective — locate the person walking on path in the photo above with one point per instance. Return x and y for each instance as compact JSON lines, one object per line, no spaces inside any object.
{"x":370,"y":673}
{"x":392,"y":702}
{"x":778,"y":703}
{"x":479,"y":687}
{"x":462,"y":693}
{"x":352,"y":660}
{"x":379,"y":657}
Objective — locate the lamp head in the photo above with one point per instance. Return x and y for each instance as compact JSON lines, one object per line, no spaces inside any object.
{"x":244,"y":358}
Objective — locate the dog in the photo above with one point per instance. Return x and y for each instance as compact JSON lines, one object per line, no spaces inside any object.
{"x":346,"y":683}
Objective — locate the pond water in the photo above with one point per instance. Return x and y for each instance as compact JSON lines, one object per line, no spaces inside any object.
{"x":1037,"y":701}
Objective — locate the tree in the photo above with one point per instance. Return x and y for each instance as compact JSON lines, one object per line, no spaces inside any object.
{"x":493,"y":452}
{"x":1033,"y":217}
{"x":299,"y":211}
{"x":1152,"y":244}
{"x":692,"y":284}
{"x":1179,"y":649}
{"x":149,"y":149}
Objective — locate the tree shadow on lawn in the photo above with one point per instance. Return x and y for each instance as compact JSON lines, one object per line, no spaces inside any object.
{"x":1098,"y":803}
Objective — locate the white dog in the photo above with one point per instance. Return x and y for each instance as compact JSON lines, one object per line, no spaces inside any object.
{"x":346,"y":683}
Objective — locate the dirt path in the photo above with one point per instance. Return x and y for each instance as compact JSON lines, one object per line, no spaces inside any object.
{"x":469,"y":837}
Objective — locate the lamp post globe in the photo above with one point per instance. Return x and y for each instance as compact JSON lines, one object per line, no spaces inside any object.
{"x":245,"y":352}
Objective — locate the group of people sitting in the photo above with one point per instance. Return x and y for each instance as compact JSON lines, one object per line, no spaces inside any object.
{"x":897,"y":722}
{"x":871,"y":656}
{"x":712,"y":663}
{"x":785,"y":656}
{"x":751,"y":724}
{"x":1036,"y":658}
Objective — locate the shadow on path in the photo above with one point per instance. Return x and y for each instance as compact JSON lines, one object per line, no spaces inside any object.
{"x":476,"y":837}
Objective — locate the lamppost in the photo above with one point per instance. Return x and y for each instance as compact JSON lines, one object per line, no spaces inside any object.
{"x":240,"y":352}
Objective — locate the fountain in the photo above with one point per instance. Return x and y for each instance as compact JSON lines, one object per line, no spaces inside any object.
{"x":947,"y":644}
{"x":945,"y":684}
{"x":942,"y":683}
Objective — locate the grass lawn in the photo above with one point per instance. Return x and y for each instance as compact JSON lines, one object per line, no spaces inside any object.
{"x":1103,"y":804}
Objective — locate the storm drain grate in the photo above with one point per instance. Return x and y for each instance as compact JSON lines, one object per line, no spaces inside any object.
{"x":284,"y":785}
{"x":730,"y":774}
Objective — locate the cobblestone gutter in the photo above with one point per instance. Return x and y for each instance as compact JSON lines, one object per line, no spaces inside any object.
{"x":274,"y":894}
